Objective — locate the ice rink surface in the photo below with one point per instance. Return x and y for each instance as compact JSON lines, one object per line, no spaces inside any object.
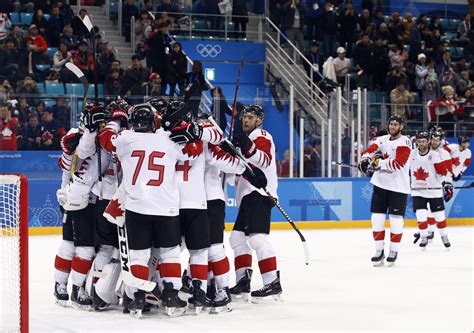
{"x":339,"y":291}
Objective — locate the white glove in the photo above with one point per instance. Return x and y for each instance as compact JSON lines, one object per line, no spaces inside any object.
{"x":61,"y":195}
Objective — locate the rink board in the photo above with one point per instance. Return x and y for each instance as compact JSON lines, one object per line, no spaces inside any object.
{"x":315,"y":203}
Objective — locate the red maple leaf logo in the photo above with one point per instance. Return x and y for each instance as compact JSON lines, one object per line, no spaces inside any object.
{"x":47,"y":135}
{"x":114,"y":209}
{"x":385,"y":156}
{"x":420,"y":174}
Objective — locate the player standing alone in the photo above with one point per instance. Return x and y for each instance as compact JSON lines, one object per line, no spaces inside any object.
{"x":388,"y":156}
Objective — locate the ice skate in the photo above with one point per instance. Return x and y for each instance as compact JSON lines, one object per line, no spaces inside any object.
{"x":424,"y":242}
{"x":187,"y":283}
{"x":154,"y":297}
{"x":199,"y":300}
{"x":416,"y":235}
{"x":80,"y":299}
{"x":98,"y":303}
{"x":137,"y":305}
{"x":211,"y":289}
{"x":242,"y":287}
{"x":172,"y":304}
{"x":430,"y":236}
{"x":125,"y":302}
{"x":271,"y":289}
{"x":392,"y":257}
{"x":377,"y":259}
{"x":60,"y":293}
{"x":446,"y":242}
{"x":221,"y":302}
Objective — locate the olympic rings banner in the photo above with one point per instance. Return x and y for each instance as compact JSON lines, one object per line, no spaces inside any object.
{"x":213,"y":50}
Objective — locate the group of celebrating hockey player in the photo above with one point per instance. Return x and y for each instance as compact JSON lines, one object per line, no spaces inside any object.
{"x":426,"y":170}
{"x":143,"y":183}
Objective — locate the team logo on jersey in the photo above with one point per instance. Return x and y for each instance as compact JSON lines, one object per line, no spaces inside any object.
{"x":420,"y":174}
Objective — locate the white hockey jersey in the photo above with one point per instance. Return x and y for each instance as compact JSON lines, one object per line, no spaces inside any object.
{"x":447,"y":162}
{"x":264,"y":159}
{"x":460,"y":159}
{"x":394,"y":168}
{"x":218,"y":162}
{"x":148,"y":163}
{"x":427,"y":171}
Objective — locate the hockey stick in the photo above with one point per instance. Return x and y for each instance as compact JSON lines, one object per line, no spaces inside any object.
{"x":344,"y":165}
{"x":234,"y":104}
{"x":275,"y":201}
{"x":440,"y":188}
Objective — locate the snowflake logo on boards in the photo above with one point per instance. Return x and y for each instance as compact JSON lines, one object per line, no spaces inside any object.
{"x":46,"y":215}
{"x":366,"y":192}
{"x":421,"y":174}
{"x":457,"y":208}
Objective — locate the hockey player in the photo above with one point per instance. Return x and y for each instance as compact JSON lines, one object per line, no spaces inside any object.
{"x":148,"y":158}
{"x":253,"y":221}
{"x":388,"y":156}
{"x":80,"y":203}
{"x":430,"y":179}
{"x":460,"y":156}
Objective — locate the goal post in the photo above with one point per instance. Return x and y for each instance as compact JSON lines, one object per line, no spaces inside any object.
{"x":13,"y":253}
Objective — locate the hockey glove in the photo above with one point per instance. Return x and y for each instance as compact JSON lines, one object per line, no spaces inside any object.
{"x":363,"y":165}
{"x":186,"y":133}
{"x":92,"y":121}
{"x":226,"y":146}
{"x":374,"y":165}
{"x":69,"y":142}
{"x":447,"y":191}
{"x":458,"y":177}
{"x":246,"y":145}
{"x":121,"y":116}
{"x":257,"y":178}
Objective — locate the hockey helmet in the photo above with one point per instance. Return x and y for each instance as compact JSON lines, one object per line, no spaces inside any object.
{"x":174,"y":113}
{"x":437,"y":134}
{"x":463,"y":138}
{"x":422,"y":135}
{"x":397,"y":118}
{"x":158,"y":103}
{"x":142,"y":118}
{"x":254,"y":109}
{"x":94,"y":115}
{"x":118,"y":104}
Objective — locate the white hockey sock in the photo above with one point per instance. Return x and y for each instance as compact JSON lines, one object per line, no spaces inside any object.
{"x":81,"y":264}
{"x":440,"y":218}
{"x":378,"y":230}
{"x":266,"y":256}
{"x":170,"y":266}
{"x":422,"y":219}
{"x":219,"y":265}
{"x":63,"y":261}
{"x":242,"y":253}
{"x":396,"y":231}
{"x":198,"y":264}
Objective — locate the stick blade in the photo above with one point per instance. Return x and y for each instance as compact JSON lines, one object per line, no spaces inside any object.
{"x":87,"y":22}
{"x":306,"y":252}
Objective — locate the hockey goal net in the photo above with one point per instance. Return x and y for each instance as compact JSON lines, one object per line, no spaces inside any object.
{"x":13,"y":253}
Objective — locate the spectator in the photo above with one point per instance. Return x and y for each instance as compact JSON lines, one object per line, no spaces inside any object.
{"x":395,"y":26}
{"x":40,"y":107}
{"x":6,"y":91}
{"x":9,"y":59}
{"x":342,"y":65}
{"x":5,"y":26}
{"x":68,"y":38}
{"x":381,"y":63}
{"x":220,"y":108}
{"x":211,"y":8}
{"x":84,"y":60}
{"x":435,"y":24}
{"x":116,"y":65}
{"x":430,"y":88}
{"x":168,"y":7}
{"x":140,"y":25}
{"x":17,"y":35}
{"x":427,"y":41}
{"x":311,"y":162}
{"x":24,"y":6}
{"x":40,"y":21}
{"x":347,"y":32}
{"x":177,"y":69}
{"x":445,"y":62}
{"x":31,"y":134}
{"x":51,"y":131}
{"x":446,"y":109}
{"x":56,"y":22}
{"x":239,"y":8}
{"x":113,"y":84}
{"x":364,"y":20}
{"x":136,"y":80}
{"x":415,"y":43}
{"x":62,"y":112}
{"x":27,"y":87}
{"x":195,"y":85}
{"x":396,"y":57}
{"x":464,"y":83}
{"x":285,"y":165}
{"x":393,"y":77}
{"x":400,"y":98}
{"x":421,"y":73}
{"x":293,"y":23}
{"x":408,"y":25}
{"x":378,"y":19}
{"x":129,"y":9}
{"x":158,"y":44}
{"x":460,"y":66}
{"x":464,"y":27}
{"x":449,"y":78}
{"x":23,"y":110}
{"x":8,"y":128}
{"x":315,"y":58}
{"x":384,"y":34}
{"x":154,"y":86}
{"x":104,"y":58}
{"x":313,"y":19}
{"x":364,"y":61}
{"x":39,"y":45}
{"x":60,"y":58}
{"x":66,"y":10}
{"x":329,"y":30}
{"x":78,"y":27}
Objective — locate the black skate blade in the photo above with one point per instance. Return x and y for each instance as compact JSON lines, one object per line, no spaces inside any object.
{"x":174,"y":312}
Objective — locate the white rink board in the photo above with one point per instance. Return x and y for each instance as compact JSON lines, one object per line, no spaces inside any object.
{"x":339,"y":291}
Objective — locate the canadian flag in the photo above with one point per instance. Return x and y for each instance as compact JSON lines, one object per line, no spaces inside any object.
{"x":115,"y":211}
